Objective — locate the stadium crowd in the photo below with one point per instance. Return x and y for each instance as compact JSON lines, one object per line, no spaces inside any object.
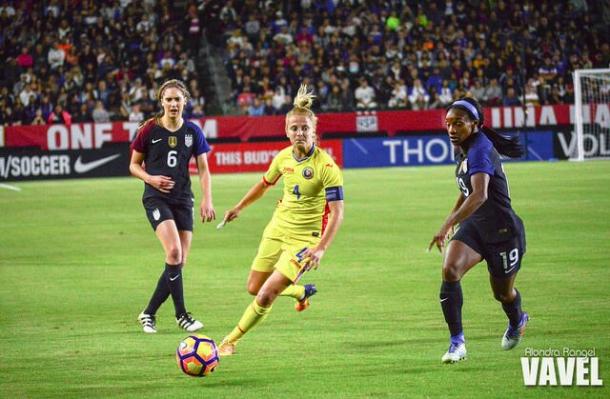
{"x":69,"y":61}
{"x":408,"y":54}
{"x":76,"y":61}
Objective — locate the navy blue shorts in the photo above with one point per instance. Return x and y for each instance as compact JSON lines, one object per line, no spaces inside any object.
{"x":158,"y":210}
{"x":503,"y":258}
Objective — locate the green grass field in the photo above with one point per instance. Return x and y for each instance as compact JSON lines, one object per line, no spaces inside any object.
{"x":78,"y":262}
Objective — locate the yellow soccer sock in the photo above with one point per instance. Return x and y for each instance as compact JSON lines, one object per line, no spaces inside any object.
{"x":254,"y":313}
{"x":294,"y":290}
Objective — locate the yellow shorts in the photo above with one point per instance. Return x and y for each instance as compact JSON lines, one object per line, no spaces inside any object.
{"x":281,"y":255}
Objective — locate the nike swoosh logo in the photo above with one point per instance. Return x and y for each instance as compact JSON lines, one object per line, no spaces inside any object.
{"x":175,"y":278}
{"x":444,"y":299}
{"x":156,"y":141}
{"x":80,"y":167}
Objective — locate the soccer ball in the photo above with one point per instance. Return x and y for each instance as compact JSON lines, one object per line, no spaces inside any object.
{"x":197,"y":355}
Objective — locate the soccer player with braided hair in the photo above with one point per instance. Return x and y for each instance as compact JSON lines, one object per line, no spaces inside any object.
{"x":303,"y":225}
{"x":488,"y":228}
{"x":161,"y":153}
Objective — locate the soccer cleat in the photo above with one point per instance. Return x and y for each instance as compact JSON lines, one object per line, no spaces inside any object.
{"x":226,"y":348}
{"x":512,"y":336}
{"x":148,"y":322}
{"x":310,"y":290}
{"x":456,"y":353}
{"x":186,"y":322}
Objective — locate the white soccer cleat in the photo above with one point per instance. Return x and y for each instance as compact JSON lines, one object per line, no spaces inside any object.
{"x":148,"y":322}
{"x":186,"y":322}
{"x":512,"y":336}
{"x":455,"y":353}
{"x":226,"y":348}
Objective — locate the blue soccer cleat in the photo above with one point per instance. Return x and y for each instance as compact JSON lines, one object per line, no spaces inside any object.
{"x":310,"y":290}
{"x":512,"y":336}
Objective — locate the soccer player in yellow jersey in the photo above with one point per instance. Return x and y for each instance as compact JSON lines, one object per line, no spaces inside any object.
{"x":303,"y":226}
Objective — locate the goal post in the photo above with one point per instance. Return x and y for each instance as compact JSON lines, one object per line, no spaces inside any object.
{"x":591,"y":114}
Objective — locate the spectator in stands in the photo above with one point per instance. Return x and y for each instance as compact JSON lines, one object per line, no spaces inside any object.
{"x":38,"y":119}
{"x":56,"y":57}
{"x":365,"y":96}
{"x":446,"y":95}
{"x":25,"y":60}
{"x":418,"y":96}
{"x":136,"y":114}
{"x":531,"y":95}
{"x":197,"y":112}
{"x":399,"y":98}
{"x":493,"y":93}
{"x":100,"y":114}
{"x":257,"y":108}
{"x":333,"y":101}
{"x":59,"y":116}
{"x":82,"y":114}
{"x":511,"y":99}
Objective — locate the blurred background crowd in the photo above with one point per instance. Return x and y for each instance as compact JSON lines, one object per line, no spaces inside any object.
{"x":76,"y":61}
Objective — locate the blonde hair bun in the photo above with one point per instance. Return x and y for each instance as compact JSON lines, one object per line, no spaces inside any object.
{"x":304,"y":98}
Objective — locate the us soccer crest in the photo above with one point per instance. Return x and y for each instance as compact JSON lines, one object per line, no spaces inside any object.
{"x":188,"y":140}
{"x":308,"y":173}
{"x":464,"y":166}
{"x":172,"y":141}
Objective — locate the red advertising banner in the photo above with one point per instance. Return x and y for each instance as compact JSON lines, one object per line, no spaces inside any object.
{"x":256,"y":157}
{"x":95,"y":135}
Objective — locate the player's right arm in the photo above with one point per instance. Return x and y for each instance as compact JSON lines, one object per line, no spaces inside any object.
{"x":441,"y":235}
{"x":161,"y":183}
{"x":255,"y":192}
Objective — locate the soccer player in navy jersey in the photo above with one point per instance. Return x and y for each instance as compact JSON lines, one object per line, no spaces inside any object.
{"x":488,"y":228}
{"x":160,"y":157}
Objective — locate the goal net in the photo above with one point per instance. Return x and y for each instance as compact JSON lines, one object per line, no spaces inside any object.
{"x":591,"y":114}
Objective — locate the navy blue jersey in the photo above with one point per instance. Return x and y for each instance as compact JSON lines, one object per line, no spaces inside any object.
{"x":168,"y":153}
{"x":495,"y":219}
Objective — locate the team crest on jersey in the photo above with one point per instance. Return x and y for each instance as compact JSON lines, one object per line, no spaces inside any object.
{"x":464,"y":166}
{"x":156,"y":214}
{"x":172,"y":141}
{"x":188,"y":140}
{"x":308,"y":172}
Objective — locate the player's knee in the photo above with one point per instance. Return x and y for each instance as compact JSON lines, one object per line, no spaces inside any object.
{"x":265,"y":297}
{"x":174,"y":255}
{"x":451,"y":272}
{"x":253,"y":288}
{"x":504,"y":297}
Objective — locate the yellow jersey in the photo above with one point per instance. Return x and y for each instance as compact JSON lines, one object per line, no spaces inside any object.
{"x":309,"y":184}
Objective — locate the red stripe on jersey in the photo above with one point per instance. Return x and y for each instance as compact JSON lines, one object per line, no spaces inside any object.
{"x":268,"y":183}
{"x":325,"y":218}
{"x":138,"y":143}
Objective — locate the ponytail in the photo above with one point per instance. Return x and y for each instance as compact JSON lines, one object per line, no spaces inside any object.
{"x":505,"y":145}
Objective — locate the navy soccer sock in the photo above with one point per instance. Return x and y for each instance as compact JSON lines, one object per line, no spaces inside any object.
{"x":173,"y":274}
{"x":451,"y":301}
{"x":159,"y":296}
{"x":513,"y":310}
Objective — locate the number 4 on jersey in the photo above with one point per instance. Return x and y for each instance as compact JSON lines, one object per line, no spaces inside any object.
{"x":296,"y":192}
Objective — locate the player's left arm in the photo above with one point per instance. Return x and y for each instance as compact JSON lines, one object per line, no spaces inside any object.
{"x":206,"y":209}
{"x":480,"y":184}
{"x":335,"y":220}
{"x":332,"y":181}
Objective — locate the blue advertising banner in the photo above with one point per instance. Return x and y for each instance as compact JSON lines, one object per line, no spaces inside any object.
{"x":433,"y":149}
